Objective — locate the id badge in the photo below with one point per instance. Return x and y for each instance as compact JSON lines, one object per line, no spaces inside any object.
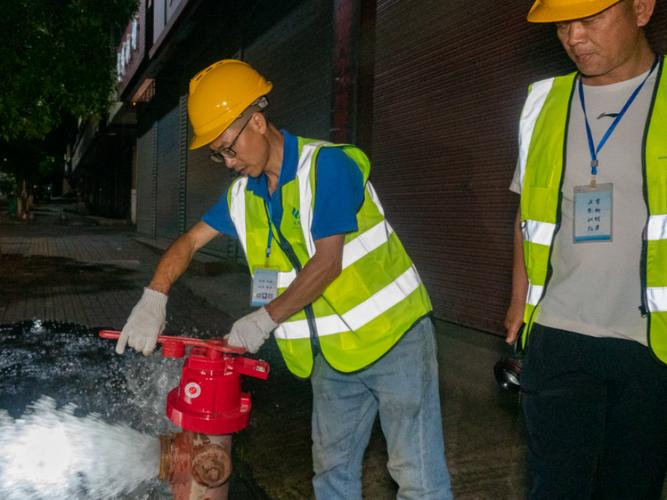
{"x":593,"y":210}
{"x":264,"y":287}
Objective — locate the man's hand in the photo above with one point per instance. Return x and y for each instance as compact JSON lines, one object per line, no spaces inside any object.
{"x":513,"y":321}
{"x":252,"y":330}
{"x":145,"y":323}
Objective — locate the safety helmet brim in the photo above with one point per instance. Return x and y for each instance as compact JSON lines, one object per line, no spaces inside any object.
{"x":554,"y":11}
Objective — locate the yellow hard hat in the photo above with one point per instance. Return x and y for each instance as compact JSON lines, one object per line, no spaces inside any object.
{"x":553,"y":11}
{"x":218,"y":96}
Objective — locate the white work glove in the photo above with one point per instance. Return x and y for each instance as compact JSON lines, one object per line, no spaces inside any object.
{"x":145,"y":323}
{"x":251,"y":330}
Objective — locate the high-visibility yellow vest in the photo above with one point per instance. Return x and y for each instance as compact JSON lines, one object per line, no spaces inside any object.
{"x":377,"y":297}
{"x":542,"y":139}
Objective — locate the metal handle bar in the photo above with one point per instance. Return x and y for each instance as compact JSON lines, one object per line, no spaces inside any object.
{"x":214,"y":344}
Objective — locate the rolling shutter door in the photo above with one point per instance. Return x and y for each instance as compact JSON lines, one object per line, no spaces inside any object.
{"x":207,"y":181}
{"x":168,"y":179}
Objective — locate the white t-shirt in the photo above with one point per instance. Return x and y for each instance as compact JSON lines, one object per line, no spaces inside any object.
{"x":595,"y":287}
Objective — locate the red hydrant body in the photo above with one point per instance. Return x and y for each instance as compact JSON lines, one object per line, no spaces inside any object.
{"x":208,"y":398}
{"x":209,"y":405}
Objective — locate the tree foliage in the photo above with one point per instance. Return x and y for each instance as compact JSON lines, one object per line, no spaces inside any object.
{"x":57,"y":58}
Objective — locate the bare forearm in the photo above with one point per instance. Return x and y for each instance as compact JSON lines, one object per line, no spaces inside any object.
{"x":514,"y":316}
{"x":178,"y":256}
{"x":172,"y":265}
{"x":310,"y":283}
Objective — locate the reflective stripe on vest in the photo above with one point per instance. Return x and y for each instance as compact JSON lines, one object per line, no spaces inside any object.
{"x":537,"y":233}
{"x":237,"y":210}
{"x":358,"y":316}
{"x":541,"y":156}
{"x":354,"y":250}
{"x":657,"y":298}
{"x":657,"y":227}
{"x":531,"y":111}
{"x":306,"y":192}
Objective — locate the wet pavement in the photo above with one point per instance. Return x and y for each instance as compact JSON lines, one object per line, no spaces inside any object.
{"x":72,"y":422}
{"x":91,"y":275}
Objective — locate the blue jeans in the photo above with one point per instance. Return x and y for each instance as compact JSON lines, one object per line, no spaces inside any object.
{"x":403,"y":387}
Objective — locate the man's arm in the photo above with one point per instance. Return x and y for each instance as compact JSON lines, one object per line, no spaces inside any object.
{"x":514,"y":316}
{"x":252,"y":330}
{"x":314,"y":278}
{"x":178,"y":256}
{"x":148,"y":318}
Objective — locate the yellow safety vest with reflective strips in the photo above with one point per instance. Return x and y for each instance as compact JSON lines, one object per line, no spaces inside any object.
{"x":542,"y":140}
{"x":377,"y":297}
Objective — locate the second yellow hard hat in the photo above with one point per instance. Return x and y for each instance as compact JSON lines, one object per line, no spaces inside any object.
{"x":218,"y":96}
{"x":553,"y":11}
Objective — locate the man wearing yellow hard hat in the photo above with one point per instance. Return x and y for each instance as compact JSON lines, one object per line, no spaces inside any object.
{"x":331,"y":281}
{"x":590,"y":265}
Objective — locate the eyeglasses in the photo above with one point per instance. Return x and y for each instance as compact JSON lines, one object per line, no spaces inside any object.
{"x":219,"y":155}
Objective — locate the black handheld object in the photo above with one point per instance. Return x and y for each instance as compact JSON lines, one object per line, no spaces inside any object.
{"x":508,"y":369}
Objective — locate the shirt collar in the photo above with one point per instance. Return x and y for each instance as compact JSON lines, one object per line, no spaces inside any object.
{"x":259,"y":185}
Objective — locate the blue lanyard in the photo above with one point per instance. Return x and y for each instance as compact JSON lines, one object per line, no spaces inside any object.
{"x":591,"y":145}
{"x":268,"y":244}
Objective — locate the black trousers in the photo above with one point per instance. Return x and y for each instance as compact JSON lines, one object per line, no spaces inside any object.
{"x":596,"y":417}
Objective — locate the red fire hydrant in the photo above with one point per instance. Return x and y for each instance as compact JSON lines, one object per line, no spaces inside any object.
{"x":209,"y":405}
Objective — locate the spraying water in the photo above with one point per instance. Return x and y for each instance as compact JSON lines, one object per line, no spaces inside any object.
{"x":78,"y":421}
{"x":52,"y":454}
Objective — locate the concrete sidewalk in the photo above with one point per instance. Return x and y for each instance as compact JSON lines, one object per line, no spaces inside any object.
{"x":81,"y":272}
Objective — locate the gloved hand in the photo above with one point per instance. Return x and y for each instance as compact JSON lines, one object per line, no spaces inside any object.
{"x":251,"y":330}
{"x":145,"y":323}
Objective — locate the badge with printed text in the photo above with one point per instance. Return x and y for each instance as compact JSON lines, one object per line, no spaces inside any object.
{"x":264,"y":287}
{"x":593,"y":210}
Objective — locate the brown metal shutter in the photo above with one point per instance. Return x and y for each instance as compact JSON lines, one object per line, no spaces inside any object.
{"x":166,"y":223}
{"x":146,"y":177}
{"x":296,"y":54}
{"x":450,"y":80}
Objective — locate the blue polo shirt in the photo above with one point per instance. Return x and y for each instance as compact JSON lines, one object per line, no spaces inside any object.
{"x":339,"y":193}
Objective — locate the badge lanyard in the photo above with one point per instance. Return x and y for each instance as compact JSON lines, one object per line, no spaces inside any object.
{"x":265,"y":279}
{"x":268,"y":243}
{"x":591,"y":145}
{"x":593,"y":203}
